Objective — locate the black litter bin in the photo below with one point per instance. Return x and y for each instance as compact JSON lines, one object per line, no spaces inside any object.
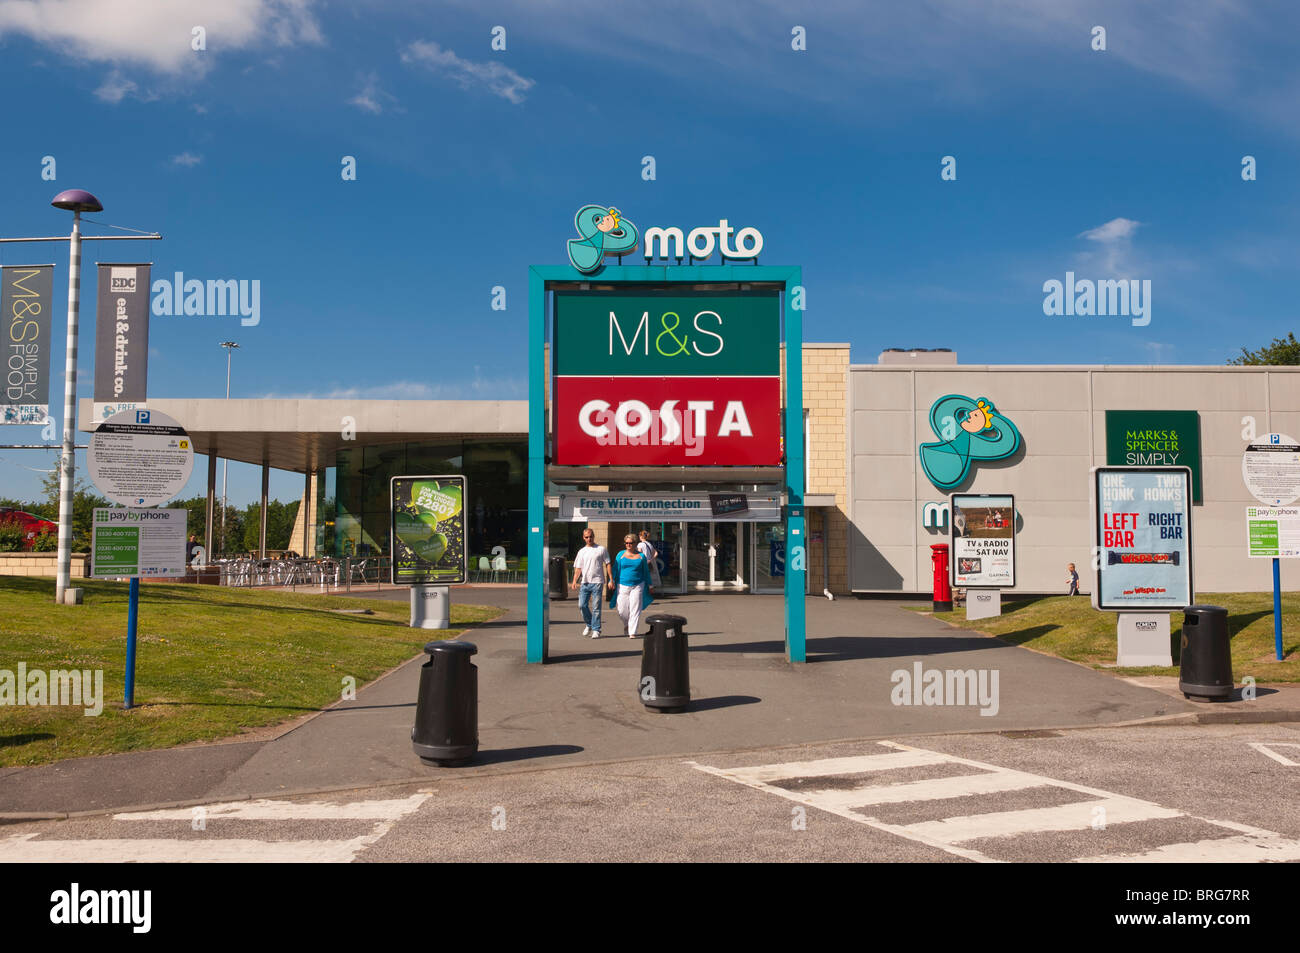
{"x":1205,"y":666}
{"x":665,"y":665}
{"x":446,"y":711}
{"x":559,"y":581}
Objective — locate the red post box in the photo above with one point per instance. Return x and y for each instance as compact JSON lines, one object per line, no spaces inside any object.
{"x":942,"y":591}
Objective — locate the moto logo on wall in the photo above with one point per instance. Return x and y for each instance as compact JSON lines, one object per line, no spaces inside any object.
{"x":667,"y":379}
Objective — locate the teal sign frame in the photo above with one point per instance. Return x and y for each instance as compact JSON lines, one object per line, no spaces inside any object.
{"x":540,"y":280}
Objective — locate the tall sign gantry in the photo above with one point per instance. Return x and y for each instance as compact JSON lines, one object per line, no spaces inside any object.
{"x":727,"y":423}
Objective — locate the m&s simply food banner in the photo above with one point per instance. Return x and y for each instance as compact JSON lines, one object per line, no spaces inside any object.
{"x":428,"y":530}
{"x":25,"y":302}
{"x":1144,"y":538}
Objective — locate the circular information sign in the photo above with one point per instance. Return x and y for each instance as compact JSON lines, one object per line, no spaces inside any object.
{"x":140,"y":458}
{"x":1271,"y":469}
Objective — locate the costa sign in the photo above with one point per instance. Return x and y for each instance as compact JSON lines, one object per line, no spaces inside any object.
{"x":655,"y":421}
{"x":676,"y":379}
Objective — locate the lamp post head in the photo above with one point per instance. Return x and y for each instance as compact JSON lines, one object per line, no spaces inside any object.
{"x":229,"y":344}
{"x":77,"y":200}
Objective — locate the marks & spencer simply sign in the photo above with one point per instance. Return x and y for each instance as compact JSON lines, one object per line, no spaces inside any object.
{"x":1155,"y":438}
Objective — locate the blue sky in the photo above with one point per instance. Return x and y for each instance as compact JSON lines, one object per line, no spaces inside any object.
{"x":471,"y":162}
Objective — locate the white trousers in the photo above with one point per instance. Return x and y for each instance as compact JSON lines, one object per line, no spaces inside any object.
{"x":629,"y":607}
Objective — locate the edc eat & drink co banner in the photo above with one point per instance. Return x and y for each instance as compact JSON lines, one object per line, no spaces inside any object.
{"x":674,"y":379}
{"x":1142,"y":526}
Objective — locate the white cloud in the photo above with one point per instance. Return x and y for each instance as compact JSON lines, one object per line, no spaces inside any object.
{"x":1117,"y":229}
{"x":492,"y":74}
{"x":115,"y":88}
{"x":372,"y":98}
{"x":1114,"y":258}
{"x":187,"y":159}
{"x":156,"y":34}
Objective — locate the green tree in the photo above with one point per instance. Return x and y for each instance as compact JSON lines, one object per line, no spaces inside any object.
{"x":279,"y":525}
{"x":1282,"y":351}
{"x":196,"y":520}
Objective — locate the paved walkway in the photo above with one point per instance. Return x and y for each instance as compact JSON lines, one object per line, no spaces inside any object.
{"x":583,"y":705}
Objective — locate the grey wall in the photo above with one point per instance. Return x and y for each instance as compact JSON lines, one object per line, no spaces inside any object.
{"x":1060,"y":412}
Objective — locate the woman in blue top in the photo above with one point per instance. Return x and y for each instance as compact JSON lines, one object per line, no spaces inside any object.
{"x":632,"y":572}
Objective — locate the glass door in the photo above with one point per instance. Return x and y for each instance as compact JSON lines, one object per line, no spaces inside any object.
{"x":667,"y":541}
{"x":699,"y":556}
{"x":769,"y":557}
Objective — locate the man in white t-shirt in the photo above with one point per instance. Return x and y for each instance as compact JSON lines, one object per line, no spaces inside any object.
{"x":591,"y":576}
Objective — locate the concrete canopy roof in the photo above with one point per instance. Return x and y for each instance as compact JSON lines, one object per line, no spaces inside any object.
{"x":304,"y":435}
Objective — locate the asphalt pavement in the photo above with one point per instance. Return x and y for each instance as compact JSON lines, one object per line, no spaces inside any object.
{"x":583,"y":706}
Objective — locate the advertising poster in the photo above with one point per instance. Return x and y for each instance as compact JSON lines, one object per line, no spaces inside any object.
{"x":133,"y":542}
{"x":1142,"y":529}
{"x":121,"y":338}
{"x":428,"y":531}
{"x":983,"y":540}
{"x":25,"y":304}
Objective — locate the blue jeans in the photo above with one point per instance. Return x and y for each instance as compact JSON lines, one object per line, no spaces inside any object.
{"x":590,"y":592}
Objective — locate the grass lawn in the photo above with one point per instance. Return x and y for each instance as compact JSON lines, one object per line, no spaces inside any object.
{"x":1070,"y":628}
{"x":210,"y":661}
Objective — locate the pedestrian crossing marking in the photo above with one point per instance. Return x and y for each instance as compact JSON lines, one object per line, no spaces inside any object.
{"x":199,"y":850}
{"x":1078,"y":816}
{"x":212,"y":848}
{"x":951,"y":834}
{"x":1242,"y":849}
{"x":266,"y":810}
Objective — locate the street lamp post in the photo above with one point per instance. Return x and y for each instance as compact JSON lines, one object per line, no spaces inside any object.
{"x":229,"y":346}
{"x":75,"y":201}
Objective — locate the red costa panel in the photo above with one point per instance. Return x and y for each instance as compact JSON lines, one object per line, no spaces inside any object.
{"x":668,"y":421}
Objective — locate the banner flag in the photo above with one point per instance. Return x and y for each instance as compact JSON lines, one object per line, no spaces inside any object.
{"x":25,"y":304}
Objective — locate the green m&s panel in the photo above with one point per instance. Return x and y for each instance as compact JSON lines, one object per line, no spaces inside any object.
{"x":1155,"y":438}
{"x":677,"y":335}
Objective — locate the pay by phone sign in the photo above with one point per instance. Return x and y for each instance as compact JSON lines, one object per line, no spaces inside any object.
{"x":1142,"y":535}
{"x":136,"y":542}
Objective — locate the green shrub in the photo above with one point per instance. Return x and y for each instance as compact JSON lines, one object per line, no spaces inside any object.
{"x":12,"y":535}
{"x":45,"y":543}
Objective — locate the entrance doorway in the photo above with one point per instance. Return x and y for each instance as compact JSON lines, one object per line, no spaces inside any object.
{"x":719,"y":557}
{"x":716,"y":556}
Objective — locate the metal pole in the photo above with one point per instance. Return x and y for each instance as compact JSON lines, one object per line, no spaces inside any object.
{"x":1277,"y":607}
{"x":261,"y":530}
{"x":225,"y":464}
{"x":67,"y":462}
{"x":132,"y":611}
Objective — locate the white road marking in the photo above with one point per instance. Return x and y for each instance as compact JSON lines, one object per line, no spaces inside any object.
{"x":1266,"y":748}
{"x":860,"y":764}
{"x":1243,"y":849}
{"x":266,"y":810}
{"x":26,"y":848}
{"x":949,"y":833}
{"x":1078,"y":816}
{"x":214,"y":850}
